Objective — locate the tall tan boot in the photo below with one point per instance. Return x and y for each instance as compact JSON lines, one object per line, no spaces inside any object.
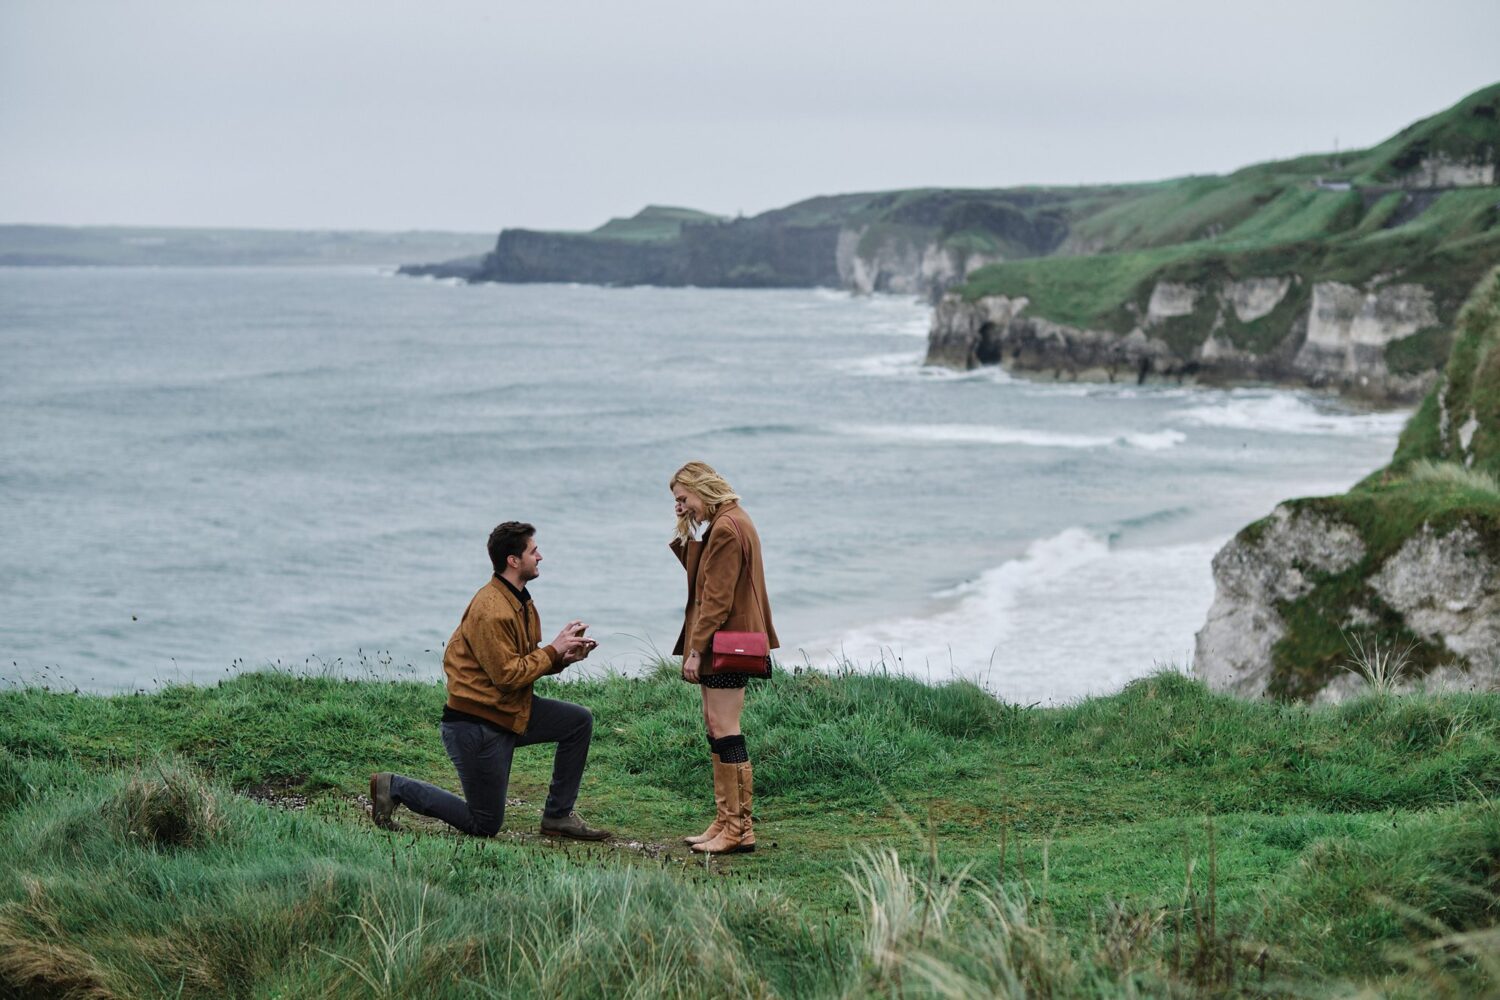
{"x":723,"y":775}
{"x":738,"y":836}
{"x":747,"y":793}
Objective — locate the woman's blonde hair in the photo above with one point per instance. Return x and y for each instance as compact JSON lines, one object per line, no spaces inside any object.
{"x":700,"y":479}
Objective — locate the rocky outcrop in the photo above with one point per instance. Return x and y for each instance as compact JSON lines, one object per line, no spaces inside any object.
{"x":1339,"y":339}
{"x":904,"y":266}
{"x":1442,"y":172}
{"x":995,"y":330}
{"x":462,"y":268}
{"x":1444,"y":586}
{"x":741,"y":253}
{"x":1406,"y":563}
{"x":1349,"y":329}
{"x":1447,"y":587}
{"x":1254,"y":575}
{"x":1255,"y":297}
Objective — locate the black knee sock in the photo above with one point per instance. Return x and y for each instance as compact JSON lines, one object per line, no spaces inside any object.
{"x":731,"y":749}
{"x":713,"y":744}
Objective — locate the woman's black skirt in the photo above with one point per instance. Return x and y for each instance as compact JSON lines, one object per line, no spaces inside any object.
{"x":722,"y":681}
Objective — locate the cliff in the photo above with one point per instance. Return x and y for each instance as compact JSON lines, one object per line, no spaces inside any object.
{"x":1334,"y":270}
{"x":1377,"y":338}
{"x":672,"y":247}
{"x":1408,"y":562}
{"x":917,"y":242}
{"x":1343,"y":272}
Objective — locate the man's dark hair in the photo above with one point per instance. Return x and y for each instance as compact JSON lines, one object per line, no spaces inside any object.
{"x":508,"y":539}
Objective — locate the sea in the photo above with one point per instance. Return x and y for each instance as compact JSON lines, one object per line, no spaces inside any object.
{"x":215,"y":470}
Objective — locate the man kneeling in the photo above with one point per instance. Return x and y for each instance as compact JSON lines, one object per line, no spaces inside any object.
{"x":490,"y":664}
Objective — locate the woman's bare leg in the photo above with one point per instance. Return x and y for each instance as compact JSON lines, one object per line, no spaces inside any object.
{"x":721,"y":710}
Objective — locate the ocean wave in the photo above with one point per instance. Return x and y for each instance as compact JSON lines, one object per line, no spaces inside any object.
{"x":977,"y":434}
{"x":993,"y":374}
{"x":911,"y":365}
{"x":746,"y":430}
{"x":899,"y":364}
{"x":1156,"y":517}
{"x":1154,"y":440}
{"x":1071,"y":616}
{"x":1289,"y":413}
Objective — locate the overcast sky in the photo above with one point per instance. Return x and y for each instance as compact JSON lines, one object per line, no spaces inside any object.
{"x":470,"y":115}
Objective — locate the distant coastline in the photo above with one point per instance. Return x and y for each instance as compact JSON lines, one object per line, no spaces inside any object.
{"x":145,"y":246}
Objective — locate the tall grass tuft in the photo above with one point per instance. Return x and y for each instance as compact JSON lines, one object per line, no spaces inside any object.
{"x":900,"y":910}
{"x":36,"y":957}
{"x":168,"y":806}
{"x":941,"y":933}
{"x":393,"y":941}
{"x":14,"y":788}
{"x":1382,"y":667}
{"x":1454,"y":474}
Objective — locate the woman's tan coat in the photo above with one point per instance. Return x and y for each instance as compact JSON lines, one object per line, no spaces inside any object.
{"x":720,"y":596}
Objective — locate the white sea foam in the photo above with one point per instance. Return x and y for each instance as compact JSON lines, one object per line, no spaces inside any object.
{"x":1288,"y":413}
{"x":1155,"y":440}
{"x":908,"y":366}
{"x":1024,"y":437}
{"x":1019,"y":629}
{"x":901,"y":364}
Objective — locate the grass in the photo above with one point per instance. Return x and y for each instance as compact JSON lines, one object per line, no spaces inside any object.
{"x":915,"y":841}
{"x":1080,"y":291}
{"x":1465,"y":479}
{"x":652,"y":224}
{"x":1462,"y":134}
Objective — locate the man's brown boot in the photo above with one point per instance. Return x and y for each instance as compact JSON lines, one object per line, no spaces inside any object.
{"x":732,"y":839}
{"x":572,"y":825}
{"x":722,"y":776}
{"x":382,"y":806}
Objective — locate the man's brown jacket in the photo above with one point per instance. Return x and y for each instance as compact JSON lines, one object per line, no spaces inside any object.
{"x":493,"y":658}
{"x":719,"y":594}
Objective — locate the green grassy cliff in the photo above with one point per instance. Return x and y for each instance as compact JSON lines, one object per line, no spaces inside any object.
{"x":1414,"y":569}
{"x":1342,"y":270}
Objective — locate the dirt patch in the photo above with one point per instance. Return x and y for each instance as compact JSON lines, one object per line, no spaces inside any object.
{"x":283,"y":795}
{"x":279,"y":794}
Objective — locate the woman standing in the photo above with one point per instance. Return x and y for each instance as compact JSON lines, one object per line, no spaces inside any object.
{"x":718,"y":546}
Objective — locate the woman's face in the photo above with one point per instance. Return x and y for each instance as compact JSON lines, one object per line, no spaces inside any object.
{"x":689,"y":503}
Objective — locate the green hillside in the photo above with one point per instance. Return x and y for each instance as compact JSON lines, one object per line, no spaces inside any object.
{"x":915,"y":841}
{"x":652,"y":223}
{"x":1345,"y":218}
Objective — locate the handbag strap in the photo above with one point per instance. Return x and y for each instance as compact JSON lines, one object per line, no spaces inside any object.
{"x":745,"y":568}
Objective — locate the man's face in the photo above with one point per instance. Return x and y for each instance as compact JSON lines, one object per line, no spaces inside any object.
{"x":527,"y":563}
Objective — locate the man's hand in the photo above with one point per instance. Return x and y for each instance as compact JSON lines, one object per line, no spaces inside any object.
{"x":571,"y":644}
{"x":690,"y":664}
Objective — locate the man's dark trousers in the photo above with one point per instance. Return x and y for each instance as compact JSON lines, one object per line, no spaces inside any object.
{"x":482,"y":754}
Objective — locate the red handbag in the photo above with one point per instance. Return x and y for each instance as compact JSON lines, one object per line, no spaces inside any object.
{"x":741,"y":652}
